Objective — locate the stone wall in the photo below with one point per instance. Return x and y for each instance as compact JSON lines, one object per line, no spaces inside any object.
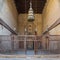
{"x":23,"y":23}
{"x":8,"y":14}
{"x":51,"y":13}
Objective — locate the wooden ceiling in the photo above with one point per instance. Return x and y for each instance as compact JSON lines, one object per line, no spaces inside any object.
{"x":23,"y":5}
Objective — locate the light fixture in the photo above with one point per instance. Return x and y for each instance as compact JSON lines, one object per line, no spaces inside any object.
{"x":14,"y":29}
{"x":36,"y":29}
{"x":30,"y":13}
{"x":25,"y":29}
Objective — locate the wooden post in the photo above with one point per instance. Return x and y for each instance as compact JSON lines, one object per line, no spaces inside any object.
{"x":47,"y":43}
{"x":12,"y":41}
{"x":35,"y":45}
{"x":25,"y":43}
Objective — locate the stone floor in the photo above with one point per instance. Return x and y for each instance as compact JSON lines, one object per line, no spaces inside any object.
{"x":29,"y":55}
{"x":29,"y":58}
{"x":28,"y":52}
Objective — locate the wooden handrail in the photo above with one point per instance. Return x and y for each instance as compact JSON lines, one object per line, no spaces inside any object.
{"x":53,"y":26}
{"x":7,"y":27}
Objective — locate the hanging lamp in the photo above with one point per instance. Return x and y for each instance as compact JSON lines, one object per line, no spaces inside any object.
{"x":31,"y":13}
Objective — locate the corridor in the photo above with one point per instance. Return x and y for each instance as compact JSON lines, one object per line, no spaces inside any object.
{"x":29,"y":28}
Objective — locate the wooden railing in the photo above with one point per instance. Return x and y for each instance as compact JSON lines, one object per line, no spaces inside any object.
{"x":54,"y":43}
{"x":13,"y":42}
{"x":56,"y":23}
{"x":20,"y":42}
{"x":7,"y":27}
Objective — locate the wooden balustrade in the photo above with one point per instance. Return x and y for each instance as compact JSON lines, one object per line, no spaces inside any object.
{"x":21,"y":42}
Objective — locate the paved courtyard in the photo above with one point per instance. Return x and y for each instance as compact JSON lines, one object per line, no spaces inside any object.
{"x":28,"y":52}
{"x":29,"y":55}
{"x":29,"y":58}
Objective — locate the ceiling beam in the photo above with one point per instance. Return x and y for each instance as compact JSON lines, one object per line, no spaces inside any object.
{"x":23,"y":5}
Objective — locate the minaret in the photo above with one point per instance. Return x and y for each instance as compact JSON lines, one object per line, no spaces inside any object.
{"x":30,"y":13}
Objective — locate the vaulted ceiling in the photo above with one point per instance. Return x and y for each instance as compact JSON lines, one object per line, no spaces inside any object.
{"x":23,"y":5}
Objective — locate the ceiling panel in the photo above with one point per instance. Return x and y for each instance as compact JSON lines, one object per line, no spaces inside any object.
{"x":23,"y":5}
